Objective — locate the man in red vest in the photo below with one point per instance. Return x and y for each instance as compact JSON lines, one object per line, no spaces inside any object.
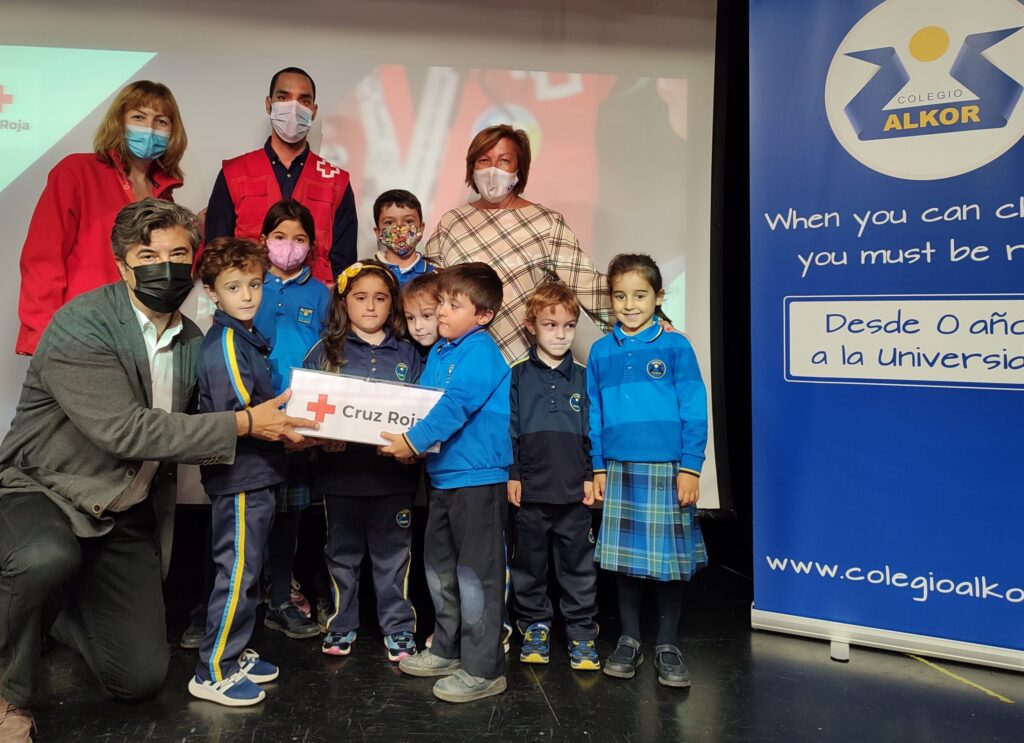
{"x":286,"y":168}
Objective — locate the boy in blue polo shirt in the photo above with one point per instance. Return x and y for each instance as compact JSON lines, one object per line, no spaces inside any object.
{"x":233,"y":374}
{"x":464,"y":548}
{"x":550,"y":483}
{"x":398,"y":225}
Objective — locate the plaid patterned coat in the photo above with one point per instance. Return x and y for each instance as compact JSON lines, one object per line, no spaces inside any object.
{"x":526,"y":246}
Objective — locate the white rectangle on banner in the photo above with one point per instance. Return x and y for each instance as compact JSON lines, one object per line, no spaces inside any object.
{"x":954,"y":340}
{"x":355,"y":408}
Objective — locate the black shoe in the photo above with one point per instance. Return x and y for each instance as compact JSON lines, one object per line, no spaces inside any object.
{"x":193,"y":635}
{"x":671,"y":669}
{"x":286,"y":618}
{"x":623,"y":662}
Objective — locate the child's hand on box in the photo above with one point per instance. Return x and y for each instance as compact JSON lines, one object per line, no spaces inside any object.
{"x":397,"y":446}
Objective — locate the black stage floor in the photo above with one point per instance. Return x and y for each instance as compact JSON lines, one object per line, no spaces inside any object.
{"x":748,"y":686}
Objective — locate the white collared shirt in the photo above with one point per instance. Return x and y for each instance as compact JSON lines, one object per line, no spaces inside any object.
{"x":161,"y":374}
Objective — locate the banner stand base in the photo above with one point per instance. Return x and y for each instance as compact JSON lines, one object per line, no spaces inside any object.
{"x":901,"y":642}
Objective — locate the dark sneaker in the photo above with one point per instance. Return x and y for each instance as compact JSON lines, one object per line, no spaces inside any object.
{"x":193,"y":635}
{"x":536,"y":644}
{"x":286,"y":618}
{"x":236,"y":690}
{"x":623,"y":662}
{"x":462,"y":687}
{"x":583,"y":656}
{"x":428,"y":664}
{"x":336,"y":643}
{"x":400,"y":645}
{"x":672,"y":671}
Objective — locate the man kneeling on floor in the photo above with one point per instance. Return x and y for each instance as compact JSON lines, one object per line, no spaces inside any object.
{"x":87,"y":490}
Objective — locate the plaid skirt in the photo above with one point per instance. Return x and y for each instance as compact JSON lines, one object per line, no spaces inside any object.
{"x":293,"y":494}
{"x":644,"y":532}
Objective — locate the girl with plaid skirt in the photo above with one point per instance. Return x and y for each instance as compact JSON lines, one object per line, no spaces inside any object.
{"x":648,"y":430}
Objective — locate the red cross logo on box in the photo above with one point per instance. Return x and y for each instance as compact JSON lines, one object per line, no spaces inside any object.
{"x":320,"y":409}
{"x":327,"y":170}
{"x":5,"y":98}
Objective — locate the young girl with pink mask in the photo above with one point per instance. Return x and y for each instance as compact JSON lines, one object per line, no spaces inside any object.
{"x":292,"y":315}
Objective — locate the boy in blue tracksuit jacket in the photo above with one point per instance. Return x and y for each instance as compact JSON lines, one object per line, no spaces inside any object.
{"x":464,"y":548}
{"x":234,"y":374}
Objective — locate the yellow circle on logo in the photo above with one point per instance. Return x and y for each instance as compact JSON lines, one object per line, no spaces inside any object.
{"x":929,"y":43}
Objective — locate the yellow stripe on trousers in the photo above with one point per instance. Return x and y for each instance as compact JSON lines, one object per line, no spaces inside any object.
{"x":231,"y":604}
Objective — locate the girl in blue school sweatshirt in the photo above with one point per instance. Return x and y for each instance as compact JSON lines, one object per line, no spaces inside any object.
{"x":367,"y":498}
{"x":648,"y":429}
{"x":292,"y":316}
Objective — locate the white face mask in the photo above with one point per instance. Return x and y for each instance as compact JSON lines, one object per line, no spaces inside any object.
{"x":494,"y":184}
{"x":291,"y":120}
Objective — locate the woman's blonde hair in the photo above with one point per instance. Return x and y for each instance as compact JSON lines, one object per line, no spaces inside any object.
{"x":142,"y":93}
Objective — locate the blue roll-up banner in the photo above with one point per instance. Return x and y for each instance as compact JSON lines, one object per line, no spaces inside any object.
{"x":887,"y":303}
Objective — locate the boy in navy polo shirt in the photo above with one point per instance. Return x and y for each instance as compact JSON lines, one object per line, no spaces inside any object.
{"x":550,"y":482}
{"x":233,"y":374}
{"x":398,"y":225}
{"x":464,"y":548}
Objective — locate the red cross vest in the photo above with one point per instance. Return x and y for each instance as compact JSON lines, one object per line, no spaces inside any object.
{"x":320,"y":188}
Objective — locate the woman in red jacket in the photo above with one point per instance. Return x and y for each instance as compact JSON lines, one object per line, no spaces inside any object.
{"x":137,"y":151}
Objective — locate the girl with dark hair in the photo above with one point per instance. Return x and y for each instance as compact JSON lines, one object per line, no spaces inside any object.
{"x":292,"y":316}
{"x":648,"y":430}
{"x":367,"y":498}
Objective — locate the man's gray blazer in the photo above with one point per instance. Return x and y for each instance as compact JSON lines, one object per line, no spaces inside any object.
{"x":84,"y":422}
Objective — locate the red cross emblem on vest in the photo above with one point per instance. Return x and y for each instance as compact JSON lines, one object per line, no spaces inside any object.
{"x":320,"y":408}
{"x":326,"y":169}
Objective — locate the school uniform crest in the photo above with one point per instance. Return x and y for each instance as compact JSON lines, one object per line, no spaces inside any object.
{"x":656,"y":368}
{"x":304,"y":315}
{"x":404,"y":518}
{"x":574,"y":402}
{"x":402,"y":371}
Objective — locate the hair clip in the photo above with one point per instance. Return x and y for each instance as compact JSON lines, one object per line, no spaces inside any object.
{"x":355,"y":269}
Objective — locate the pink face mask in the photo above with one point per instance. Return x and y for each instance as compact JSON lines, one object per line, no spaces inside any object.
{"x":287,"y":254}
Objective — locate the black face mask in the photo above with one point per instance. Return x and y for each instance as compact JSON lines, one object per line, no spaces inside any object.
{"x":163,"y":286}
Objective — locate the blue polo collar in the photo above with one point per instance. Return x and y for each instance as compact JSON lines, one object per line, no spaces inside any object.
{"x":300,"y":278}
{"x":644,"y":336}
{"x":389,"y":340}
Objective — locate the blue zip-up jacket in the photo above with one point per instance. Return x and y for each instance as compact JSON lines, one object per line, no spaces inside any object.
{"x":647,"y":400}
{"x":549,"y":426}
{"x":360,"y":470}
{"x":233,"y":374}
{"x":470,"y":421}
{"x":291,"y":316}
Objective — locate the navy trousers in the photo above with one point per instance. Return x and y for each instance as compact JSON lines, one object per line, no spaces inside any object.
{"x":383,"y":524}
{"x":241,"y":525}
{"x":567,"y":528}
{"x":464,"y":556}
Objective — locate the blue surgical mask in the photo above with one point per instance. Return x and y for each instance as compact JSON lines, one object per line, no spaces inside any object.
{"x":144,"y":143}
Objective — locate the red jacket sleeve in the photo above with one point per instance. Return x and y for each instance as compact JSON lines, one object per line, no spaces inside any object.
{"x":51,"y":235}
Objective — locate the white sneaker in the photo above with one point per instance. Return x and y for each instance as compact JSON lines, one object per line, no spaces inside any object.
{"x":234,"y":691}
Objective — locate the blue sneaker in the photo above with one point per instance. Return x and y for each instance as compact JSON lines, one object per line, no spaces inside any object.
{"x":336,"y":643}
{"x":258,"y":671}
{"x":536,"y":644}
{"x":400,"y":645}
{"x":583,"y":655}
{"x":236,"y":690}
